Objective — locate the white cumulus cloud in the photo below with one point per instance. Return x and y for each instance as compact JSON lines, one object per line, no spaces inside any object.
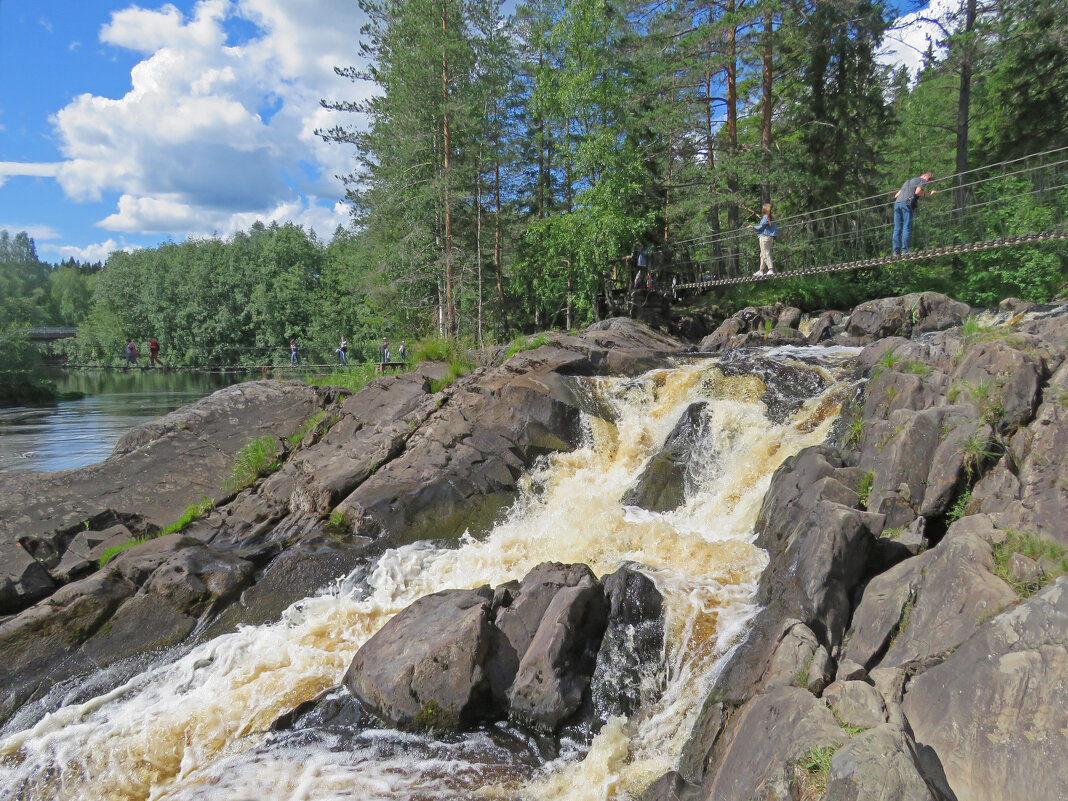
{"x":97,"y":252}
{"x":214,"y":132}
{"x":910,"y":36}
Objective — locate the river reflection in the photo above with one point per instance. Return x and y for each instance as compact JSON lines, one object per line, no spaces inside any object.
{"x":81,"y":432}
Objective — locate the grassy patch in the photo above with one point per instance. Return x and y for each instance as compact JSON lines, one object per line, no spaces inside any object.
{"x":446,"y":350}
{"x":973,"y":331}
{"x":302,"y":430}
{"x":257,"y":458}
{"x":984,"y":395}
{"x":1053,"y":555}
{"x":864,"y":490}
{"x":192,"y":512}
{"x":812,"y":771}
{"x":354,"y":378}
{"x":522,"y":343}
{"x":892,"y":533}
{"x":916,"y":368}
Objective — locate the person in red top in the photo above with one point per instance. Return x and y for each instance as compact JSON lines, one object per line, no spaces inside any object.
{"x":153,"y":353}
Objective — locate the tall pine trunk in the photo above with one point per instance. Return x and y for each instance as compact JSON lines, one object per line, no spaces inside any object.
{"x":450,"y":299}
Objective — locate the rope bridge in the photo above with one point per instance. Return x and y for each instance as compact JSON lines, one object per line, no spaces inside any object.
{"x":1013,"y":203}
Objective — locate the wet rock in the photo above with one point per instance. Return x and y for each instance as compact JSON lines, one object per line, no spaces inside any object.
{"x":520,"y":610}
{"x":671,"y":787}
{"x":41,"y":644}
{"x":23,"y":579}
{"x":995,"y":711}
{"x":661,"y":487}
{"x":555,"y":672}
{"x":827,"y":324}
{"x":630,"y":661}
{"x":423,"y":669}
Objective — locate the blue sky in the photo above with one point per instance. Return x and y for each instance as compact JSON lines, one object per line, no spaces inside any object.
{"x":126,"y":125}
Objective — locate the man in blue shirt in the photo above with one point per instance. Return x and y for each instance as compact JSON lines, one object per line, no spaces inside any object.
{"x":905,"y":207}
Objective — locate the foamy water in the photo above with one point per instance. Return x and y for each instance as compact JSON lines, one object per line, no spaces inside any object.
{"x":196,"y":729}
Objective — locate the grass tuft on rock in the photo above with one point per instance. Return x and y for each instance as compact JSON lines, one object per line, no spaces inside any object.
{"x":193,"y":511}
{"x":1051,"y":561}
{"x":256,"y":458}
{"x":812,"y":771}
{"x":355,"y":378}
{"x":522,"y":343}
{"x":302,"y":430}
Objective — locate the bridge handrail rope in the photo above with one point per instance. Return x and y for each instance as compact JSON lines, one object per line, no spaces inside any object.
{"x":920,"y":255}
{"x":883,"y":194}
{"x":805,"y":216}
{"x":802,"y":219}
{"x":829,"y":238}
{"x":868,"y":231}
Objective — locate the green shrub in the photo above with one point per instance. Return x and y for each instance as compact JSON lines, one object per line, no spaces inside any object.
{"x":257,"y":458}
{"x":959,"y":507}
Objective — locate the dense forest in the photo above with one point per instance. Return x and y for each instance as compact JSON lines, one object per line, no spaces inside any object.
{"x":506,"y":169}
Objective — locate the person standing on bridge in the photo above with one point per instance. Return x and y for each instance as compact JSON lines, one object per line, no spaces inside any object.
{"x":131,"y":353}
{"x":342,"y":349}
{"x":766,"y":231}
{"x":905,"y":202}
{"x":294,"y":352}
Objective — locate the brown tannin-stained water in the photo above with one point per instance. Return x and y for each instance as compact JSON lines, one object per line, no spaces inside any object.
{"x":196,"y":729}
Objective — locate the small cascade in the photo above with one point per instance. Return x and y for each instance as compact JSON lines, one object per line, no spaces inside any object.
{"x":198,"y":728}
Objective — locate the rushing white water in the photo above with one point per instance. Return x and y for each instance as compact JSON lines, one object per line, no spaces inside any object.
{"x":196,"y":729}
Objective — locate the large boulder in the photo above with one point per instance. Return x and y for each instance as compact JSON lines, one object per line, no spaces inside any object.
{"x":995,"y":711}
{"x":754,"y":326}
{"x":23,"y":579}
{"x":758,"y":753}
{"x":907,"y":316}
{"x":424,"y":668}
{"x":554,"y":674}
{"x":1032,"y":493}
{"x":925,"y":606}
{"x":527,"y":650}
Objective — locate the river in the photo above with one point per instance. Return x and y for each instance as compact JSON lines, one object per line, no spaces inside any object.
{"x":198,"y":728}
{"x":80,"y":432}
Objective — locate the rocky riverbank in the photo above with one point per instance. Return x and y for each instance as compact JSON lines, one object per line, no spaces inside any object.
{"x":910,"y":642}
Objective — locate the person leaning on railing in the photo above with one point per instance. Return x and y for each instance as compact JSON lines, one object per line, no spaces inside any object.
{"x":905,"y":202}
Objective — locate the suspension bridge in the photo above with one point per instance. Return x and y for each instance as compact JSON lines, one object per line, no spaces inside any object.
{"x":1013,"y":203}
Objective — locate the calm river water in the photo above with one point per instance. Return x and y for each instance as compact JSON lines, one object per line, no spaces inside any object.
{"x":76,"y":433}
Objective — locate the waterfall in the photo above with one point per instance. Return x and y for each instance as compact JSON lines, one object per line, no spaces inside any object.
{"x":198,"y":728}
